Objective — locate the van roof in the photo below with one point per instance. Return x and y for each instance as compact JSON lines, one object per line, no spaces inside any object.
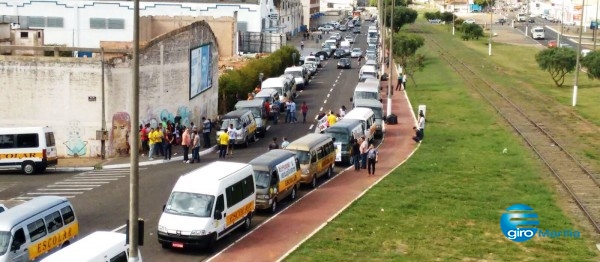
{"x":359,"y":113}
{"x":367,"y":86}
{"x":308,"y":141}
{"x":266,"y":92}
{"x":17,"y":214}
{"x":368,"y":68}
{"x":294,"y":68}
{"x":206,"y":179}
{"x":273,"y":81}
{"x":29,"y":129}
{"x":249,"y":103}
{"x":344,"y":124}
{"x":270,"y":159}
{"x":361,"y":102}
{"x":235,"y":114}
{"x":93,"y":247}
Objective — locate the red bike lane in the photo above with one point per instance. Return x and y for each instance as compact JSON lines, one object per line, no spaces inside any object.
{"x":283,"y":233}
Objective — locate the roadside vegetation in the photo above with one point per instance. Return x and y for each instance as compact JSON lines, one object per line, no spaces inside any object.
{"x":444,"y":204}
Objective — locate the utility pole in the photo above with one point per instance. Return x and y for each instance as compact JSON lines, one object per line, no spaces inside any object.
{"x":596,"y":27}
{"x":562,"y":22}
{"x":102,"y":141}
{"x":453,"y":19}
{"x":491,"y":32}
{"x":135,"y":118}
{"x":578,"y":55}
{"x":390,"y":60}
{"x":382,"y":29}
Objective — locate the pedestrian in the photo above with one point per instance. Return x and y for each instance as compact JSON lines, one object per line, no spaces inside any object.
{"x":276,"y":108}
{"x":364,"y":147}
{"x":186,"y":143}
{"x":372,"y":156}
{"x":273,"y":144}
{"x":169,"y":138}
{"x":285,"y":143}
{"x":293,"y":111}
{"x":404,"y":79}
{"x":418,"y":135}
{"x":331,"y":118}
{"x":399,"y":83}
{"x":355,"y":151}
{"x":232,"y":136}
{"x":196,"y":146}
{"x":144,"y":138}
{"x":158,"y":136}
{"x":206,"y":132}
{"x":165,"y":143}
{"x":288,"y":112}
{"x":304,"y":109}
{"x":223,"y":142}
{"x":151,"y":143}
{"x":301,"y":45}
{"x":421,"y":122}
{"x":342,"y":111}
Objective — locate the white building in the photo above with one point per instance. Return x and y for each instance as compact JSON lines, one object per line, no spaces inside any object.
{"x":76,"y":23}
{"x":327,"y":5}
{"x":312,"y":10}
{"x":288,"y":16}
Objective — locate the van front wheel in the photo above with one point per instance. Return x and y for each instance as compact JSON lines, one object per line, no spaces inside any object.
{"x":274,"y":206}
{"x":293,"y":194}
{"x":329,"y":171}
{"x":247,"y":222}
{"x":313,"y":183}
{"x":28,"y":167}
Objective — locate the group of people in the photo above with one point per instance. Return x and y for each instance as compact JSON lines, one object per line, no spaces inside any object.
{"x":401,"y":84}
{"x":275,"y":145}
{"x":364,"y":155}
{"x":227,"y":140}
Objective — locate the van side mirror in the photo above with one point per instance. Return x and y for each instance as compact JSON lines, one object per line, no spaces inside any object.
{"x":164,"y":206}
{"x":218,"y":215}
{"x":351,"y":99}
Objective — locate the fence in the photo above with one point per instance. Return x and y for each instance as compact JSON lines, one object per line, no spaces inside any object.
{"x":263,"y":42}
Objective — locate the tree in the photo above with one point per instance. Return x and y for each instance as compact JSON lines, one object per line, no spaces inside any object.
{"x":592,"y":63}
{"x":405,"y":49}
{"x":447,"y":17}
{"x":558,"y":62}
{"x":471,"y":31}
{"x":402,"y":16}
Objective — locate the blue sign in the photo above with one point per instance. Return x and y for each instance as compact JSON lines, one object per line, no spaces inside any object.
{"x":519,"y":223}
{"x":200,"y":69}
{"x":594,"y":25}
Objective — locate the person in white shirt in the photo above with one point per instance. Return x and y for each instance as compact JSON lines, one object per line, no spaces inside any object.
{"x":232,"y":136}
{"x":421,"y":121}
{"x":285,"y":143}
{"x":342,"y":111}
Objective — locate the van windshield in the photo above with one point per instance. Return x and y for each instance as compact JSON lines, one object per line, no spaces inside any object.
{"x":296,"y":74}
{"x":339,"y":137}
{"x":190,"y":204}
{"x":4,"y":241}
{"x":263,"y":178}
{"x":366,"y":95}
{"x":303,"y":157}
{"x":256,"y":111}
{"x":231,"y":121}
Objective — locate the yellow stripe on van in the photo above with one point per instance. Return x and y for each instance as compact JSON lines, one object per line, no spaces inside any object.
{"x":239,"y":214}
{"x":290,"y":181}
{"x":21,"y":155}
{"x":53,"y":240}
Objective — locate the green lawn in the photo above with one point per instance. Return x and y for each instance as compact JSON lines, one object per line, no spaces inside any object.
{"x":444,"y":204}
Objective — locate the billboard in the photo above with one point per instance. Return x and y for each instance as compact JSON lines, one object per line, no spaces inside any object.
{"x":200,"y":69}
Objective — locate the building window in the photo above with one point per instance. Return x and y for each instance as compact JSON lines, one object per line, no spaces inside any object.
{"x":24,"y":35}
{"x":41,"y":21}
{"x":329,"y":5}
{"x":104,"y":23}
{"x":54,"y":22}
{"x":36,"y":21}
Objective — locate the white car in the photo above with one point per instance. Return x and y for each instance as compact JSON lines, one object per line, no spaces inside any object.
{"x":349,"y":38}
{"x":326,"y":28}
{"x":356,"y":52}
{"x":469,"y":21}
{"x":2,"y":208}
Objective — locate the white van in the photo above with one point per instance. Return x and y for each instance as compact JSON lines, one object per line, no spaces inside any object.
{"x":537,"y":32}
{"x":30,"y":149}
{"x":366,"y":116}
{"x":99,"y":246}
{"x":37,"y":228}
{"x":367,"y":90}
{"x":207,"y":204}
{"x":377,"y":108}
{"x":299,"y":76}
{"x":268,"y":95}
{"x":278,"y":84}
{"x":367,"y":71}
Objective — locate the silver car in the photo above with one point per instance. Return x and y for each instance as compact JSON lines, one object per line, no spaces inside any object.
{"x":349,"y":38}
{"x":356,"y":52}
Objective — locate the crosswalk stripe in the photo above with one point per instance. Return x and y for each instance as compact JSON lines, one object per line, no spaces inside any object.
{"x":54,"y":193}
{"x":81,"y":182}
{"x":66,"y":189}
{"x":78,"y":185}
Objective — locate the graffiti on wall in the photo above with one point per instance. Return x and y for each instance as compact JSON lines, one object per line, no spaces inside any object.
{"x":75,"y":145}
{"x":119,"y":133}
{"x":183,"y":114}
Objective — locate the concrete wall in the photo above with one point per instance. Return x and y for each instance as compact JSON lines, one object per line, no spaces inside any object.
{"x":154,"y":26}
{"x":59,"y":92}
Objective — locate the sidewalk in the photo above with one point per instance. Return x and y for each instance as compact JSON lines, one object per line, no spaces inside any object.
{"x":283,"y":233}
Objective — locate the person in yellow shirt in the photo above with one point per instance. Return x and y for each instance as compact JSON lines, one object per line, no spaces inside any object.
{"x":159,"y":141}
{"x":223,"y":142}
{"x":331,"y":119}
{"x":151,"y":142}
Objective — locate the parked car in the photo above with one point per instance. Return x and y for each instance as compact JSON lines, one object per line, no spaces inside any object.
{"x":339,"y":53}
{"x":327,"y":50}
{"x":323,"y":53}
{"x":356,"y":30}
{"x":356,"y":52}
{"x":344,"y":63}
{"x":326,"y":28}
{"x":371,"y":57}
{"x":343,"y":28}
{"x":349,"y":38}
{"x":469,"y":21}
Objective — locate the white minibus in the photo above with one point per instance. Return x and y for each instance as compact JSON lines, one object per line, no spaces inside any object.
{"x":100,"y":246}
{"x":30,"y":149}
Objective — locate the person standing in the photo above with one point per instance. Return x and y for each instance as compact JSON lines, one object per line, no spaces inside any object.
{"x":356,"y":154}
{"x":276,"y":109}
{"x":185,"y":143}
{"x":273,"y":144}
{"x":293,"y":111}
{"x":399,"y":83}
{"x":304,"y":109}
{"x":169,"y":139}
{"x":364,"y":147}
{"x":301,"y":45}
{"x":421,"y":122}
{"x":232,"y":136}
{"x":331,"y":118}
{"x":404,"y":79}
{"x":372,"y":156}
{"x":144,"y":138}
{"x":195,"y":146}
{"x":342,"y":111}
{"x":288,"y":112}
{"x":285,"y":143}
{"x":223,"y":143}
{"x":151,"y":143}
{"x":206,"y":132}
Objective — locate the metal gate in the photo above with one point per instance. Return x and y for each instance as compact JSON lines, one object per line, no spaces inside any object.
{"x":260,"y":42}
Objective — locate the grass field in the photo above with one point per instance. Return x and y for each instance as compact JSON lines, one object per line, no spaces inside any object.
{"x":445,"y":203}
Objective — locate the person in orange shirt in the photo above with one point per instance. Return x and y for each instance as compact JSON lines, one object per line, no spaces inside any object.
{"x":185,"y":143}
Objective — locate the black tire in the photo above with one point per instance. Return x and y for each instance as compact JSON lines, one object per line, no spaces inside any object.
{"x":329,"y":172}
{"x":313,"y":182}
{"x":293,"y":194}
{"x":274,"y":206}
{"x":254,"y":138}
{"x":247,"y":223}
{"x":28,"y":167}
{"x":246,"y":142}
{"x":211,"y":246}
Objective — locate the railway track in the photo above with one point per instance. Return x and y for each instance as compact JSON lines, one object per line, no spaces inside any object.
{"x":577,"y":180}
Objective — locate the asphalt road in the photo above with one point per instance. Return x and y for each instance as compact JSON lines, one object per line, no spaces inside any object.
{"x":101,"y":198}
{"x":549,"y":34}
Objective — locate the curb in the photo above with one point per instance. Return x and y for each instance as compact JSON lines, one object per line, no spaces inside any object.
{"x":126,"y":165}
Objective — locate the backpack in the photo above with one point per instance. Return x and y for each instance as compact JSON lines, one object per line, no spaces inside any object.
{"x":372,"y":153}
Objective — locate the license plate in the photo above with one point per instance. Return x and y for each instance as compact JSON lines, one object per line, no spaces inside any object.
{"x":177,"y":245}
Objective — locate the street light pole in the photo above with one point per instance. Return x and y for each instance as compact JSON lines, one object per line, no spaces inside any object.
{"x":103,"y":142}
{"x":578,"y":55}
{"x":596,"y":27}
{"x":453,"y":20}
{"x":491,"y":32}
{"x":390,"y":91}
{"x":294,"y":59}
{"x":383,"y":34}
{"x":135,"y":115}
{"x":260,"y":78}
{"x":562,"y":23}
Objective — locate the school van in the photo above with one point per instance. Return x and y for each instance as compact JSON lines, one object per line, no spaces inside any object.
{"x":367,"y":90}
{"x":37,"y":228}
{"x":300,"y":76}
{"x":281,"y":85}
{"x":377,"y":108}
{"x":367,"y":71}
{"x":100,"y":246}
{"x":537,"y":32}
{"x":257,"y":107}
{"x":31,"y":149}
{"x":366,"y":118}
{"x":268,"y":95}
{"x":343,"y":132}
{"x":277,"y":175}
{"x":207,"y":204}
{"x":244,"y":123}
{"x":316,"y":155}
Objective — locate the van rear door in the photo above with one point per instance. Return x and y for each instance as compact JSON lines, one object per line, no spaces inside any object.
{"x":50,"y":146}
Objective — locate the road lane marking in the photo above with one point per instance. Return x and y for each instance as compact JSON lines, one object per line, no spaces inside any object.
{"x":325,"y":102}
{"x":319,"y":111}
{"x":82,"y":182}
{"x":268,"y":127}
{"x":66,"y":189}
{"x":78,"y":185}
{"x":331,"y":90}
{"x":311,"y":126}
{"x":327,"y":95}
